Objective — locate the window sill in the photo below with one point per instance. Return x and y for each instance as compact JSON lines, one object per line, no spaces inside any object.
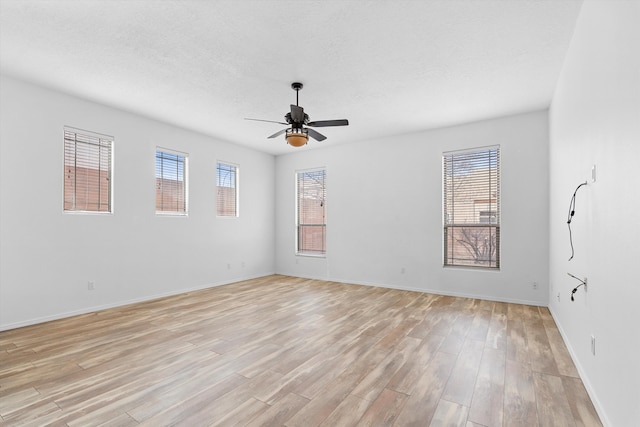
{"x":311,"y":255}
{"x":68,"y":212}
{"x":471,"y":268}
{"x":172,"y":214}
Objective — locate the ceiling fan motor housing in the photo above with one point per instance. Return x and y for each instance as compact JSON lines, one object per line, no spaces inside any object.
{"x":289,"y":120}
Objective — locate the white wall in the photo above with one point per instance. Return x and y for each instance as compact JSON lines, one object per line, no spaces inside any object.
{"x":595,"y":119}
{"x":384,"y":211}
{"x":47,"y":257}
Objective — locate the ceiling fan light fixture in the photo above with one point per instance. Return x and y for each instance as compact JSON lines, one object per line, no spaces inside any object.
{"x":297,"y":137}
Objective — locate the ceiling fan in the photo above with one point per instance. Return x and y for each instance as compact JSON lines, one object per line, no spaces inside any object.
{"x":298,"y":135}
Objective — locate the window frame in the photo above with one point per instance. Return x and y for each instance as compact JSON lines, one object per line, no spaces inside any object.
{"x":480,"y":255}
{"x":236,"y":187}
{"x":111,"y":149}
{"x":185,"y":179}
{"x":298,"y":250}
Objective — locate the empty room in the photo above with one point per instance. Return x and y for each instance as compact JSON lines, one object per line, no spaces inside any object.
{"x":319,"y":213}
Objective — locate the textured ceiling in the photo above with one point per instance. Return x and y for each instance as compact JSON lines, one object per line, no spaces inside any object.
{"x":390,"y":67}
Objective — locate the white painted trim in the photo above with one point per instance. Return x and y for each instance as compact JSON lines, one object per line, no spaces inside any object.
{"x":425,"y":291}
{"x":124,"y":303}
{"x":583,"y":375}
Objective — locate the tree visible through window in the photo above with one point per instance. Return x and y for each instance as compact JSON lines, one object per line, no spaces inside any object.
{"x":472,"y":208}
{"x":87,"y":171}
{"x":171,"y":182}
{"x":311,"y":218}
{"x":227,"y":190}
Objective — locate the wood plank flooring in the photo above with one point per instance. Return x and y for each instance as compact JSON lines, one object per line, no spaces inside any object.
{"x":284,"y":351}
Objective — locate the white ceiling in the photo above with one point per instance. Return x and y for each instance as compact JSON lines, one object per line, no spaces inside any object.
{"x":389,"y":66}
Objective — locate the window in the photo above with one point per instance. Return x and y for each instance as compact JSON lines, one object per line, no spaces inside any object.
{"x":227,"y":189}
{"x":311,"y":207}
{"x":87,"y":171}
{"x":472,"y":208}
{"x":171,"y":182}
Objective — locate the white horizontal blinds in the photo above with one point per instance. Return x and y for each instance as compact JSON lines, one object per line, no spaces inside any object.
{"x":171,"y":191}
{"x":472,"y":208}
{"x":87,"y":171}
{"x":227,"y":190}
{"x":312,"y":212}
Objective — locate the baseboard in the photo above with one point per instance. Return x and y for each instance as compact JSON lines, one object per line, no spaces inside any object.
{"x":427,"y":291}
{"x":101,"y":307}
{"x":583,"y":375}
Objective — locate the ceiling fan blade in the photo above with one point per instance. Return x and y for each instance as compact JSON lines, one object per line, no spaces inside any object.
{"x":297,"y":114}
{"x":316,"y":135}
{"x":325,"y":123}
{"x":268,"y":121}
{"x":280,"y":132}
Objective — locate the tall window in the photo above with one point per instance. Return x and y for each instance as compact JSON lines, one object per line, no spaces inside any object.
{"x":227,"y":189}
{"x":311,"y":207}
{"x":87,"y":171}
{"x":472,"y":208}
{"x":171,"y":182}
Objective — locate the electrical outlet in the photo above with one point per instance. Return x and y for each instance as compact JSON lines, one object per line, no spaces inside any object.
{"x":558,"y":296}
{"x":242,"y":265}
{"x":593,"y":345}
{"x":91,"y":285}
{"x":534,"y":286}
{"x":228,"y":266}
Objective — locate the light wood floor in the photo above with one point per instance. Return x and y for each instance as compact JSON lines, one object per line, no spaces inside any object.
{"x":287,"y":351}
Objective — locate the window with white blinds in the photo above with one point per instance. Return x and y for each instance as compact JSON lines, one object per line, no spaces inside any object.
{"x":227,"y":190}
{"x":472,"y":208}
{"x":171,"y":182}
{"x":87,"y":171}
{"x":311,"y":212}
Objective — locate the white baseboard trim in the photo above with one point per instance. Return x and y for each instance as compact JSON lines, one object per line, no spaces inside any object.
{"x":426,"y":291}
{"x":583,"y":375}
{"x":101,"y":307}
